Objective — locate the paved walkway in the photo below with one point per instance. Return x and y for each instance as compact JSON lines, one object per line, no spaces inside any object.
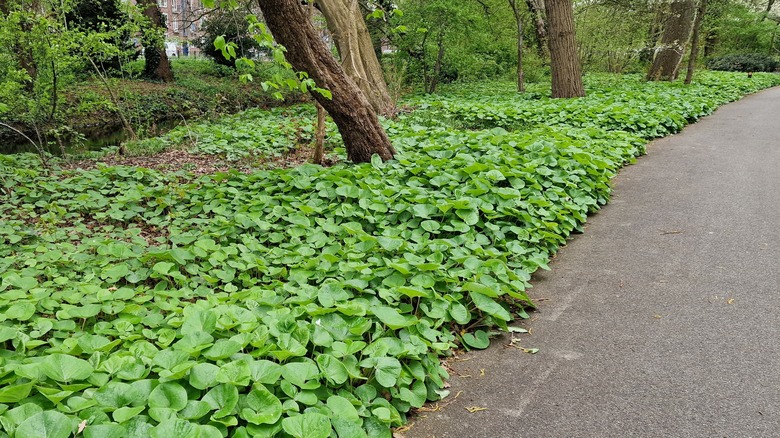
{"x":663,"y":319}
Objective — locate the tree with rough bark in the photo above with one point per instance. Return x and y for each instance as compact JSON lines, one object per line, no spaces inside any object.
{"x":564,"y":61}
{"x":536,"y":8}
{"x":157,"y":66}
{"x":358,"y":57}
{"x":677,"y":30}
{"x":353,"y":114}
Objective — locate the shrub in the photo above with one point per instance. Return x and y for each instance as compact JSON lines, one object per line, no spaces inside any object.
{"x":744,"y":62}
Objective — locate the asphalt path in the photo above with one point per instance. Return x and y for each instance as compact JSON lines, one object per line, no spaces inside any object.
{"x":663,"y":318}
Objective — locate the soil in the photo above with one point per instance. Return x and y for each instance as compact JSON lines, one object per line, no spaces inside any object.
{"x":176,"y":160}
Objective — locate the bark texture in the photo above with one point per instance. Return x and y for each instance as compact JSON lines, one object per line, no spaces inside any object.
{"x":536,"y":7}
{"x":358,"y":56}
{"x":564,"y":60}
{"x":702,"y":9}
{"x":156,"y":67}
{"x":353,"y":114}
{"x":666,"y":64}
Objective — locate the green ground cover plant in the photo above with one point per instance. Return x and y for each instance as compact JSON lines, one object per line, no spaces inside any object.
{"x":309,"y":302}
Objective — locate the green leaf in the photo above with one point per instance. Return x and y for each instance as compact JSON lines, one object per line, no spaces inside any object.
{"x":387,"y":370}
{"x":122,"y":415}
{"x":478,"y":339}
{"x":15,"y":393}
{"x":392,"y":318}
{"x":263,"y":407}
{"x":298,"y":373}
{"x":168,"y":395}
{"x":65,"y":368}
{"x":47,"y":424}
{"x":20,"y":311}
{"x":223,"y":398}
{"x":104,"y":431}
{"x":333,"y":369}
{"x":490,"y":307}
{"x":175,"y":428}
{"x":203,"y":375}
{"x":265,"y":371}
{"x":308,"y":425}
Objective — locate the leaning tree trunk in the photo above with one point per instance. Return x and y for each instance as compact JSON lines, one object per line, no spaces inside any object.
{"x":519,"y":21}
{"x":695,"y":40}
{"x":156,"y":67}
{"x":357,"y":122}
{"x":666,"y":65}
{"x":564,"y":61}
{"x":536,"y":7}
{"x":358,"y":57}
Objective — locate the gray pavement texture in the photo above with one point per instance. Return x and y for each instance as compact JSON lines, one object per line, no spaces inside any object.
{"x":663,"y":318}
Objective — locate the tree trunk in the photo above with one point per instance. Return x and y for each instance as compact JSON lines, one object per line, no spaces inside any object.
{"x":353,"y":114}
{"x":564,"y":61}
{"x":666,"y":65}
{"x":695,"y":40}
{"x":358,"y":57}
{"x":536,"y":7}
{"x":519,"y":20}
{"x":156,"y":67}
{"x":318,"y":157}
{"x":768,"y":9}
{"x":437,"y":67}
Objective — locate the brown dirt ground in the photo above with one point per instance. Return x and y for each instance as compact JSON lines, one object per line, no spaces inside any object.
{"x":175,"y":160}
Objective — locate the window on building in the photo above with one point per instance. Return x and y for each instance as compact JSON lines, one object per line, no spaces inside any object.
{"x":175,"y":6}
{"x":165,"y":21}
{"x":175,"y":25}
{"x":163,"y":3}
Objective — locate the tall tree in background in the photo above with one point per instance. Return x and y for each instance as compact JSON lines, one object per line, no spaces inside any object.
{"x":157,"y":66}
{"x":358,"y":124}
{"x":564,"y":61}
{"x":677,"y":29}
{"x":519,"y":20}
{"x":358,"y":57}
{"x":700,"y":11}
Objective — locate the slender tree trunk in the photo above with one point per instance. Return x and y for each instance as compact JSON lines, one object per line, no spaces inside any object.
{"x":564,"y":61}
{"x":666,"y":65}
{"x":519,"y":21}
{"x":319,"y":136}
{"x":157,"y":66}
{"x":695,"y":40}
{"x":768,"y":9}
{"x":536,"y":7}
{"x":358,"y":57}
{"x":437,"y":66}
{"x":353,"y":114}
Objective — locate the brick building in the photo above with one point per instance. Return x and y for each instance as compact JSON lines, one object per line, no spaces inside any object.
{"x":183,"y":19}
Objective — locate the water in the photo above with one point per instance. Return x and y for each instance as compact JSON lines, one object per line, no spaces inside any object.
{"x":95,"y":139}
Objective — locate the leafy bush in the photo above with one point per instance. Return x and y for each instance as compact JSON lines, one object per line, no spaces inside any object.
{"x":303,"y":301}
{"x":753,"y":62}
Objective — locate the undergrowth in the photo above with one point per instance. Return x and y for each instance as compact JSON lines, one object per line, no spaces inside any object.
{"x":309,"y":302}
